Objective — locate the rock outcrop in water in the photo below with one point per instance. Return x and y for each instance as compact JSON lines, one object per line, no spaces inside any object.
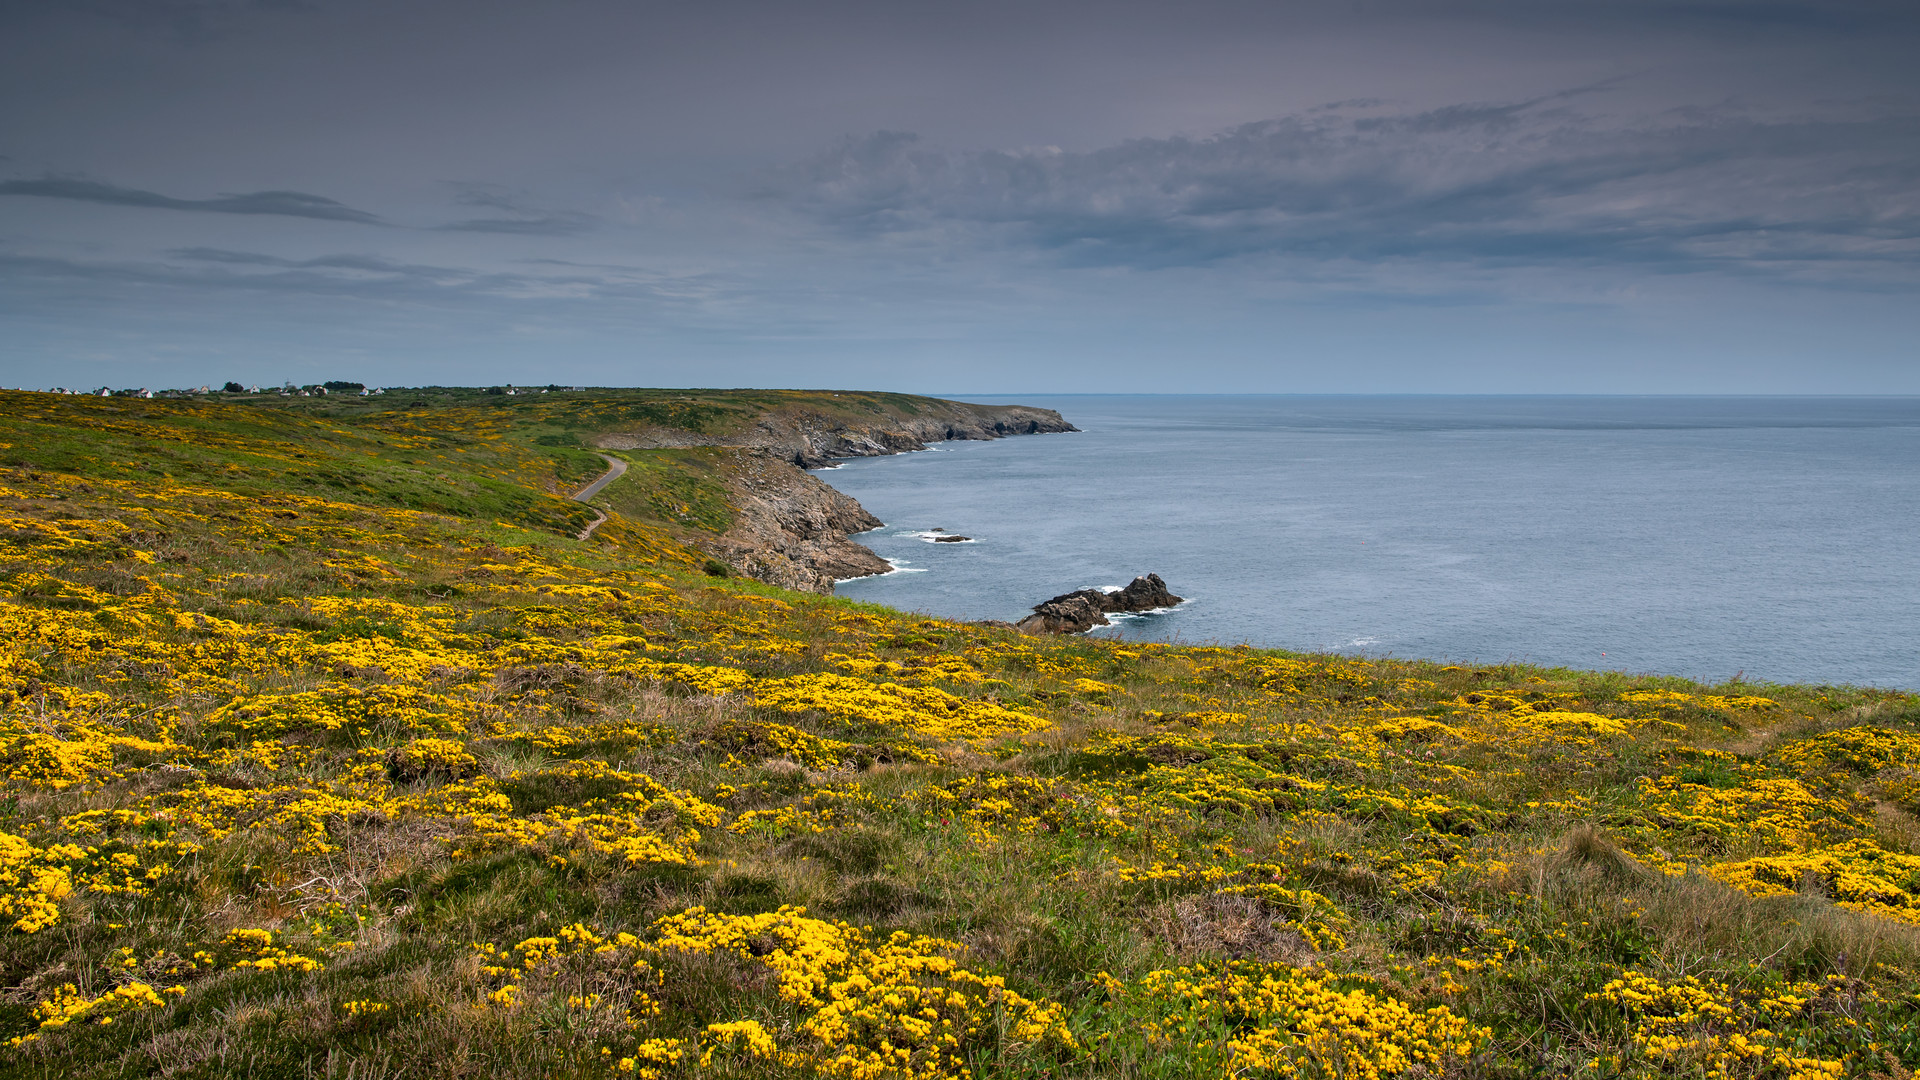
{"x":1083,"y":609}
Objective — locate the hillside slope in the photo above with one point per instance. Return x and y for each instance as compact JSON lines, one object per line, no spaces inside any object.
{"x":309,"y":774}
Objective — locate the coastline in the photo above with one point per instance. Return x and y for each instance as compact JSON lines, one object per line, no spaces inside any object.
{"x":791,"y":528}
{"x":1694,"y":537}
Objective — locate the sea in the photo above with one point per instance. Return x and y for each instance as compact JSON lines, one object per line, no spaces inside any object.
{"x":1769,"y":539}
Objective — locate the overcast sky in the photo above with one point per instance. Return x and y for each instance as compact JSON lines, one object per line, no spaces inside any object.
{"x":1420,"y":196}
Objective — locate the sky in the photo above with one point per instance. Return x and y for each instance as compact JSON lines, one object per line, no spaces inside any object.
{"x":1370,"y":196}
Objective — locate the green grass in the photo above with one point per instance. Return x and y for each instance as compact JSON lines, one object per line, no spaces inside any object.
{"x":1468,"y":862}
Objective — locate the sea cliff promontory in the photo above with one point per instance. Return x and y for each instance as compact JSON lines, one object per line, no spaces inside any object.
{"x":786,"y":527}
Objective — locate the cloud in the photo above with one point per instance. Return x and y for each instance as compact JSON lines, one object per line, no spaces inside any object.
{"x":362,"y":264}
{"x":527,"y":220}
{"x":369,"y":277}
{"x":552,"y":225}
{"x":1530,"y":183}
{"x":281,"y":203}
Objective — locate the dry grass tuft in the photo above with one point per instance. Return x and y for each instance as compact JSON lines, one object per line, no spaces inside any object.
{"x":1232,"y":926}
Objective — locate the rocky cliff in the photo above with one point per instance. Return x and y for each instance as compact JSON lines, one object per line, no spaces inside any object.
{"x":789,"y":528}
{"x":811,"y":438}
{"x":811,"y":441}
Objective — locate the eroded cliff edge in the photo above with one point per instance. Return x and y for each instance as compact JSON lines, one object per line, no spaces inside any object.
{"x":787,"y":527}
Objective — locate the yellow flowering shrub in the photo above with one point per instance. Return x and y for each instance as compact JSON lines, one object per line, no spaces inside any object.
{"x":1259,"y":1020}
{"x":33,"y":881}
{"x":898,"y":1007}
{"x":69,"y":1006}
{"x":1706,"y":1027}
{"x":429,"y":758}
{"x":928,"y":710}
{"x":260,"y":950}
{"x":1856,"y":874}
{"x":416,"y":710}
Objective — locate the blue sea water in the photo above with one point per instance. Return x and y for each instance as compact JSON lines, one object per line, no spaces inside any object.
{"x":1705,"y":537}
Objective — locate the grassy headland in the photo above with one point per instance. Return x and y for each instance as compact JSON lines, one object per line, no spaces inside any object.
{"x":328,"y":751}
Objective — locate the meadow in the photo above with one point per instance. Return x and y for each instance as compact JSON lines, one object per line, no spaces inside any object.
{"x":329,"y":751}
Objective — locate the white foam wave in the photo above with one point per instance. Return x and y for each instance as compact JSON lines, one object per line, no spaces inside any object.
{"x":1140,"y":614}
{"x":899,"y":566}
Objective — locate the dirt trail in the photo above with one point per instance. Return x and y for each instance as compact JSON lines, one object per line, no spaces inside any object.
{"x":615,"y":469}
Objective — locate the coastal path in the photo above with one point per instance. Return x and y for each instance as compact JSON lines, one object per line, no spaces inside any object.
{"x":615,"y":469}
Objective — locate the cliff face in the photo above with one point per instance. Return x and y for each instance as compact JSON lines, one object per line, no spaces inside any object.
{"x":789,"y":528}
{"x":810,"y":440}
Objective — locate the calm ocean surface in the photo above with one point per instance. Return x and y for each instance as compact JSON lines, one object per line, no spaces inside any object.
{"x":1689,"y":536}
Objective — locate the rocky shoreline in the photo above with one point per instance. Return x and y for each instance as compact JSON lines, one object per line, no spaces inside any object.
{"x":811,"y":440}
{"x":789,"y":528}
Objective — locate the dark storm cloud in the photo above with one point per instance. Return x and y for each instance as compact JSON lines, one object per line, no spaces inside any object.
{"x":281,"y":203}
{"x":1527,"y":183}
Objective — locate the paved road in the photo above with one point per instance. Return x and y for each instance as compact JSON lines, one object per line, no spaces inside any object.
{"x":615,"y":469}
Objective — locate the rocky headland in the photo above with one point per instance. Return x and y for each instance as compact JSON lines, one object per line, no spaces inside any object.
{"x":812,"y":439}
{"x":789,"y":528}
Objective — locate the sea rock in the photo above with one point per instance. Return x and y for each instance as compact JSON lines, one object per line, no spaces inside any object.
{"x":954,"y":538}
{"x":1073,"y":613}
{"x":1145,"y":593}
{"x":1083,"y":609}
